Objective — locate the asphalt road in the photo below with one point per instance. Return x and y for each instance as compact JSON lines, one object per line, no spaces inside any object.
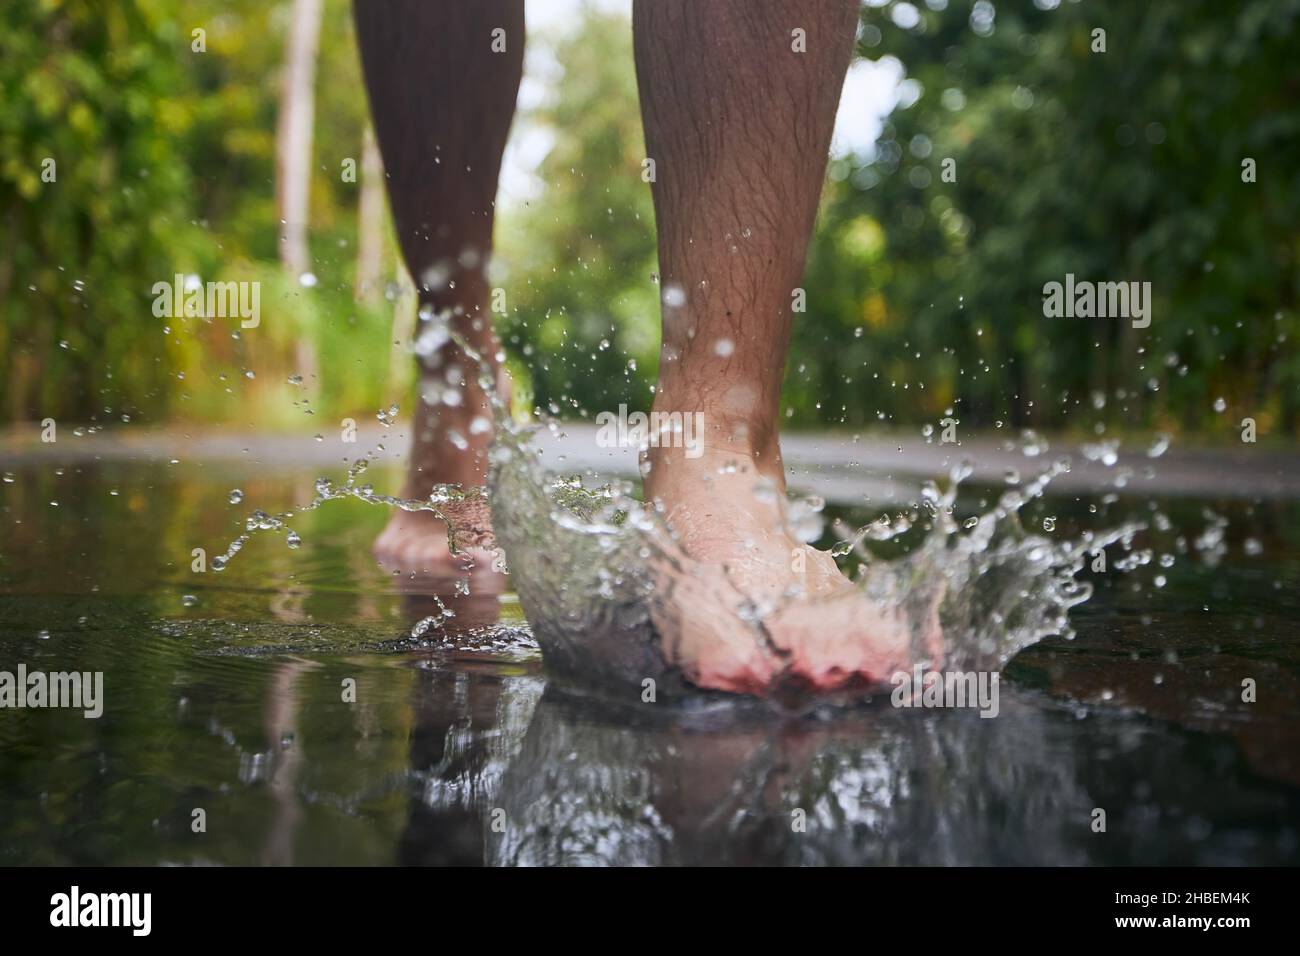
{"x":876,"y":467}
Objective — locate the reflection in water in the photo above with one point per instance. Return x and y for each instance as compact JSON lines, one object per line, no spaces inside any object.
{"x":282,"y":713}
{"x":874,"y":787}
{"x":585,"y":784}
{"x":466,"y":731}
{"x":233,"y":705}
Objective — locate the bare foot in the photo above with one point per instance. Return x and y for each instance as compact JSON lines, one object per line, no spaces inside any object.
{"x":449,"y":444}
{"x":415,"y":542}
{"x":753,"y":610}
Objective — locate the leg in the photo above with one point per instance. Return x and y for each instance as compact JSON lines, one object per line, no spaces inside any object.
{"x":739,"y":124}
{"x":442,"y":101}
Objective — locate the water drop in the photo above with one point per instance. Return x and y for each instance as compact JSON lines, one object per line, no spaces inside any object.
{"x":674,"y":296}
{"x":1159,"y":446}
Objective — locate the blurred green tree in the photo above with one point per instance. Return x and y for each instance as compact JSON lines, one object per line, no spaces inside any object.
{"x":584,"y":315}
{"x":1125,"y":164}
{"x":93,"y":201}
{"x":159,"y":117}
{"x":923,"y":294}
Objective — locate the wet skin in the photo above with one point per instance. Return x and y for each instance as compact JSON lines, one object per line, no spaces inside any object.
{"x":734,"y":210}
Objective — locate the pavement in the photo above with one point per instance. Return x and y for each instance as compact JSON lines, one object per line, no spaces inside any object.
{"x":877,"y":467}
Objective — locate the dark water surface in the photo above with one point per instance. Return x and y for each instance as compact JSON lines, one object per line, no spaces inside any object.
{"x":458,"y":750}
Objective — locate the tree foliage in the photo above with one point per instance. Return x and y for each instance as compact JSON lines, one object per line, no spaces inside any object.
{"x":1119,"y":165}
{"x":924,"y":295}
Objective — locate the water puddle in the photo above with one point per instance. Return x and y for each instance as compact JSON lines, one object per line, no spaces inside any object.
{"x":595,"y":568}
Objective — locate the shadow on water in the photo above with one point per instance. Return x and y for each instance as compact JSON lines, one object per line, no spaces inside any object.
{"x":458,"y":749}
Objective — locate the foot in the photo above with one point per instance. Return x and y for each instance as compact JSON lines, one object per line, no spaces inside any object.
{"x":416,"y":543}
{"x":451,"y":433}
{"x":751,"y":609}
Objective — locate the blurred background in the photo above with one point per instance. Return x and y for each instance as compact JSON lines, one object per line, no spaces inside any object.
{"x":213,"y":139}
{"x":173,"y":155}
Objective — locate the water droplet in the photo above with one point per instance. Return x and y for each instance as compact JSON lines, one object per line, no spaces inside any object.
{"x":422,"y":626}
{"x":806,"y":521}
{"x":437,"y":276}
{"x":236,"y":496}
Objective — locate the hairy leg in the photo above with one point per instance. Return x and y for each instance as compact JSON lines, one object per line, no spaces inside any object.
{"x":442,"y":99}
{"x":739,"y":107}
{"x":738,"y":125}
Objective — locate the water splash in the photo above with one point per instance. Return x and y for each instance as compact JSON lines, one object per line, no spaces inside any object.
{"x":592,"y":565}
{"x":1001,"y":588}
{"x":584,"y":562}
{"x":452,"y":504}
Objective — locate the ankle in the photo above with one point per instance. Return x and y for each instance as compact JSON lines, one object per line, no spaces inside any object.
{"x":454,"y":299}
{"x":730,"y":427}
{"x":727,"y":456}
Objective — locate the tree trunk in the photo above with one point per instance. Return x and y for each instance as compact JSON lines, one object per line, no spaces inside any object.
{"x":294,"y":133}
{"x":370,"y":222}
